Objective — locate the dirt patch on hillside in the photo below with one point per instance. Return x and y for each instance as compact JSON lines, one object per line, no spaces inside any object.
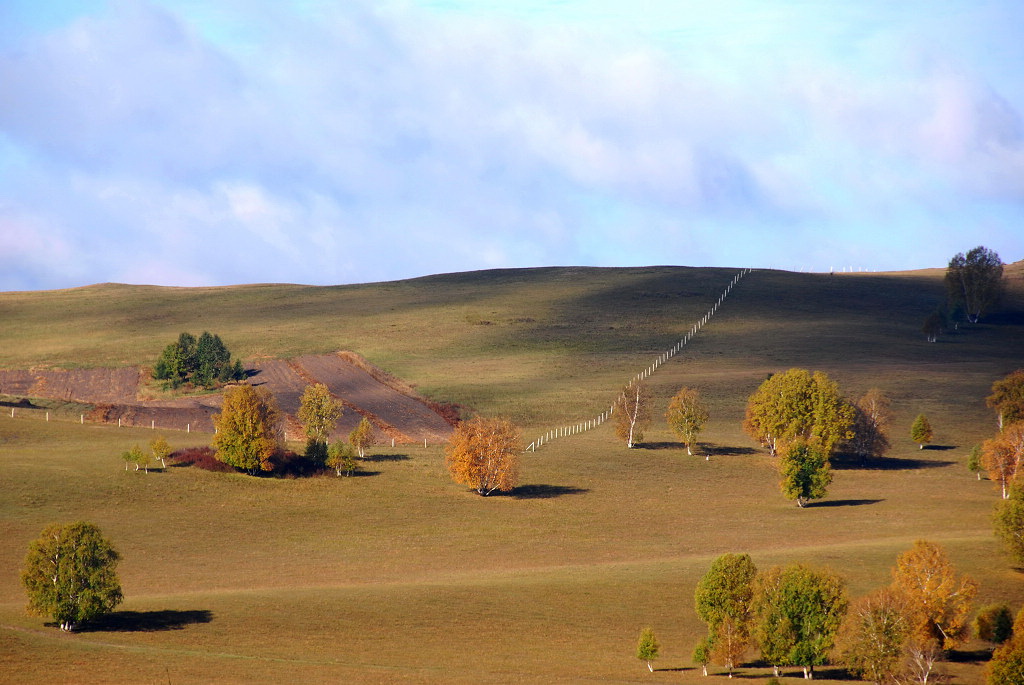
{"x":364,"y":390}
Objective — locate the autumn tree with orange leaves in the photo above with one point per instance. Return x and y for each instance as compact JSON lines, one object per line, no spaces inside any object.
{"x":248,"y":429}
{"x":483,"y":454}
{"x":938,"y":601}
{"x":1003,"y":456}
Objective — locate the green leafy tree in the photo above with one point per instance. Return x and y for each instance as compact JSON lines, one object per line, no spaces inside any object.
{"x":70,"y":574}
{"x":341,"y":457}
{"x":686,"y":416}
{"x":798,"y":405}
{"x":632,"y":413}
{"x":798,"y":611}
{"x":702,"y":654}
{"x":1007,"y":664}
{"x":647,"y":648}
{"x":805,"y":473}
{"x":921,"y":431}
{"x":975,"y":281}
{"x":161,"y":450}
{"x":362,"y":436}
{"x":723,"y":600}
{"x":1007,"y":398}
{"x":932,"y":327}
{"x":203,"y":362}
{"x":319,"y":413}
{"x":873,"y":635}
{"x":248,"y":429}
{"x":1009,"y":523}
{"x":994,"y":623}
{"x":939,"y":601}
{"x":974,"y":461}
{"x":136,"y":456}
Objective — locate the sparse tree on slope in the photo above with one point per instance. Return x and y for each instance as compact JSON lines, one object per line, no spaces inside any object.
{"x":319,"y":414}
{"x":870,"y":424}
{"x":248,"y":429}
{"x":161,"y":450}
{"x":1003,"y":456}
{"x":974,"y":463}
{"x":932,"y":327}
{"x":483,"y":454}
{"x":647,"y":648}
{"x":939,"y":602}
{"x":632,"y":413}
{"x":362,"y":436}
{"x":921,"y":431}
{"x":872,"y":637}
{"x":975,"y":280}
{"x":1007,"y":398}
{"x":70,"y":574}
{"x":342,"y":458}
{"x":686,"y":416}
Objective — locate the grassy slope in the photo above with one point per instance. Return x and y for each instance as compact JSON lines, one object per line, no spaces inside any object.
{"x":401,"y":575}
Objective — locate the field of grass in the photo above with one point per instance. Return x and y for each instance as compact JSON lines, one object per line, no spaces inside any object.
{"x":399,"y":575}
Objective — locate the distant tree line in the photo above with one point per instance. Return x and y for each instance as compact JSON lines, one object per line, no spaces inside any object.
{"x":202,"y":363}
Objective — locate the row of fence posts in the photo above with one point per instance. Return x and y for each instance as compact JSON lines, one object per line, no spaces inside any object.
{"x":566,"y":431}
{"x":152,"y":424}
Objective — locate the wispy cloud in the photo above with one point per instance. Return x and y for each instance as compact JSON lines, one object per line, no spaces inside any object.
{"x":310,"y":142}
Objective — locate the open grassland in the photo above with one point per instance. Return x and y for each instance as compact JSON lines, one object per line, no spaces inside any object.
{"x":400,"y":576}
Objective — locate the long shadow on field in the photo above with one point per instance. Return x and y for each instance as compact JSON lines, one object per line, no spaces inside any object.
{"x":846,"y":462}
{"x":147,"y":621}
{"x":713,"y":450}
{"x":545,"y":491}
{"x":974,"y":656}
{"x":844,"y":503}
{"x":386,"y":457}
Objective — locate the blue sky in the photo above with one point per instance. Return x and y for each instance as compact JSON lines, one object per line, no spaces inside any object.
{"x":179,"y":142}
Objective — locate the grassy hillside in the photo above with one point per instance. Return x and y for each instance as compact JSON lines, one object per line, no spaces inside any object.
{"x":399,"y":575}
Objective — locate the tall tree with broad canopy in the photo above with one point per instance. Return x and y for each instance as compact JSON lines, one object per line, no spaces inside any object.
{"x":319,"y":413}
{"x":632,"y":413}
{"x":805,"y":472}
{"x":939,"y":602}
{"x":248,"y":429}
{"x":647,"y":648}
{"x":798,"y":405}
{"x":975,"y":281}
{"x":1009,"y":522}
{"x":870,"y":425}
{"x":798,"y":610}
{"x":723,"y":600}
{"x":1003,"y":456}
{"x":921,"y":431}
{"x":873,"y":635}
{"x":70,"y":574}
{"x":483,"y":454}
{"x":686,"y":416}
{"x":1007,"y":398}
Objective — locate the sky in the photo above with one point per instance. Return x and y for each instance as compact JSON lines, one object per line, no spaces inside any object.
{"x":215,"y":142}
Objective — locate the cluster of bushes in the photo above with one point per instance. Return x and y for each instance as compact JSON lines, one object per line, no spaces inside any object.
{"x":203,"y":363}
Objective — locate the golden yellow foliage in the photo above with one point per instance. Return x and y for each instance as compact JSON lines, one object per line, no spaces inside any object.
{"x":483,"y":454}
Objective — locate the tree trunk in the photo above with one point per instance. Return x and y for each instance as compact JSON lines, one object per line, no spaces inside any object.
{"x":649,"y":667}
{"x":705,"y":668}
{"x":688,"y":450}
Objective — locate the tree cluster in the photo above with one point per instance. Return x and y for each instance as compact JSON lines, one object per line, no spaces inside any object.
{"x":204,"y":363}
{"x":799,"y":616}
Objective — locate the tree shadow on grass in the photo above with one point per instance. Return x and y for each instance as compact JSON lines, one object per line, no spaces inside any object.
{"x":848,"y":462}
{"x":659,"y":446}
{"x":682,"y":669}
{"x":358,"y":473}
{"x":386,"y":457}
{"x":23,"y":403}
{"x":970,"y":656}
{"x":543,"y":491}
{"x":713,"y":450}
{"x":941,"y":448}
{"x":146,"y":621}
{"x":843,"y":503}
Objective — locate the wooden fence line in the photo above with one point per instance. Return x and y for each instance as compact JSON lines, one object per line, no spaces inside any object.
{"x":566,"y":431}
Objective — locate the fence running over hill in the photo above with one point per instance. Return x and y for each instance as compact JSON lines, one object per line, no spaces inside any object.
{"x":575,"y":429}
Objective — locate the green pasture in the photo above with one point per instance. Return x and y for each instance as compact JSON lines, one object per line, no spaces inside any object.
{"x":398,"y":575}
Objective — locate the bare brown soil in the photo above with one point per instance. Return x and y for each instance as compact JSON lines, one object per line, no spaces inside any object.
{"x":364,"y":390}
